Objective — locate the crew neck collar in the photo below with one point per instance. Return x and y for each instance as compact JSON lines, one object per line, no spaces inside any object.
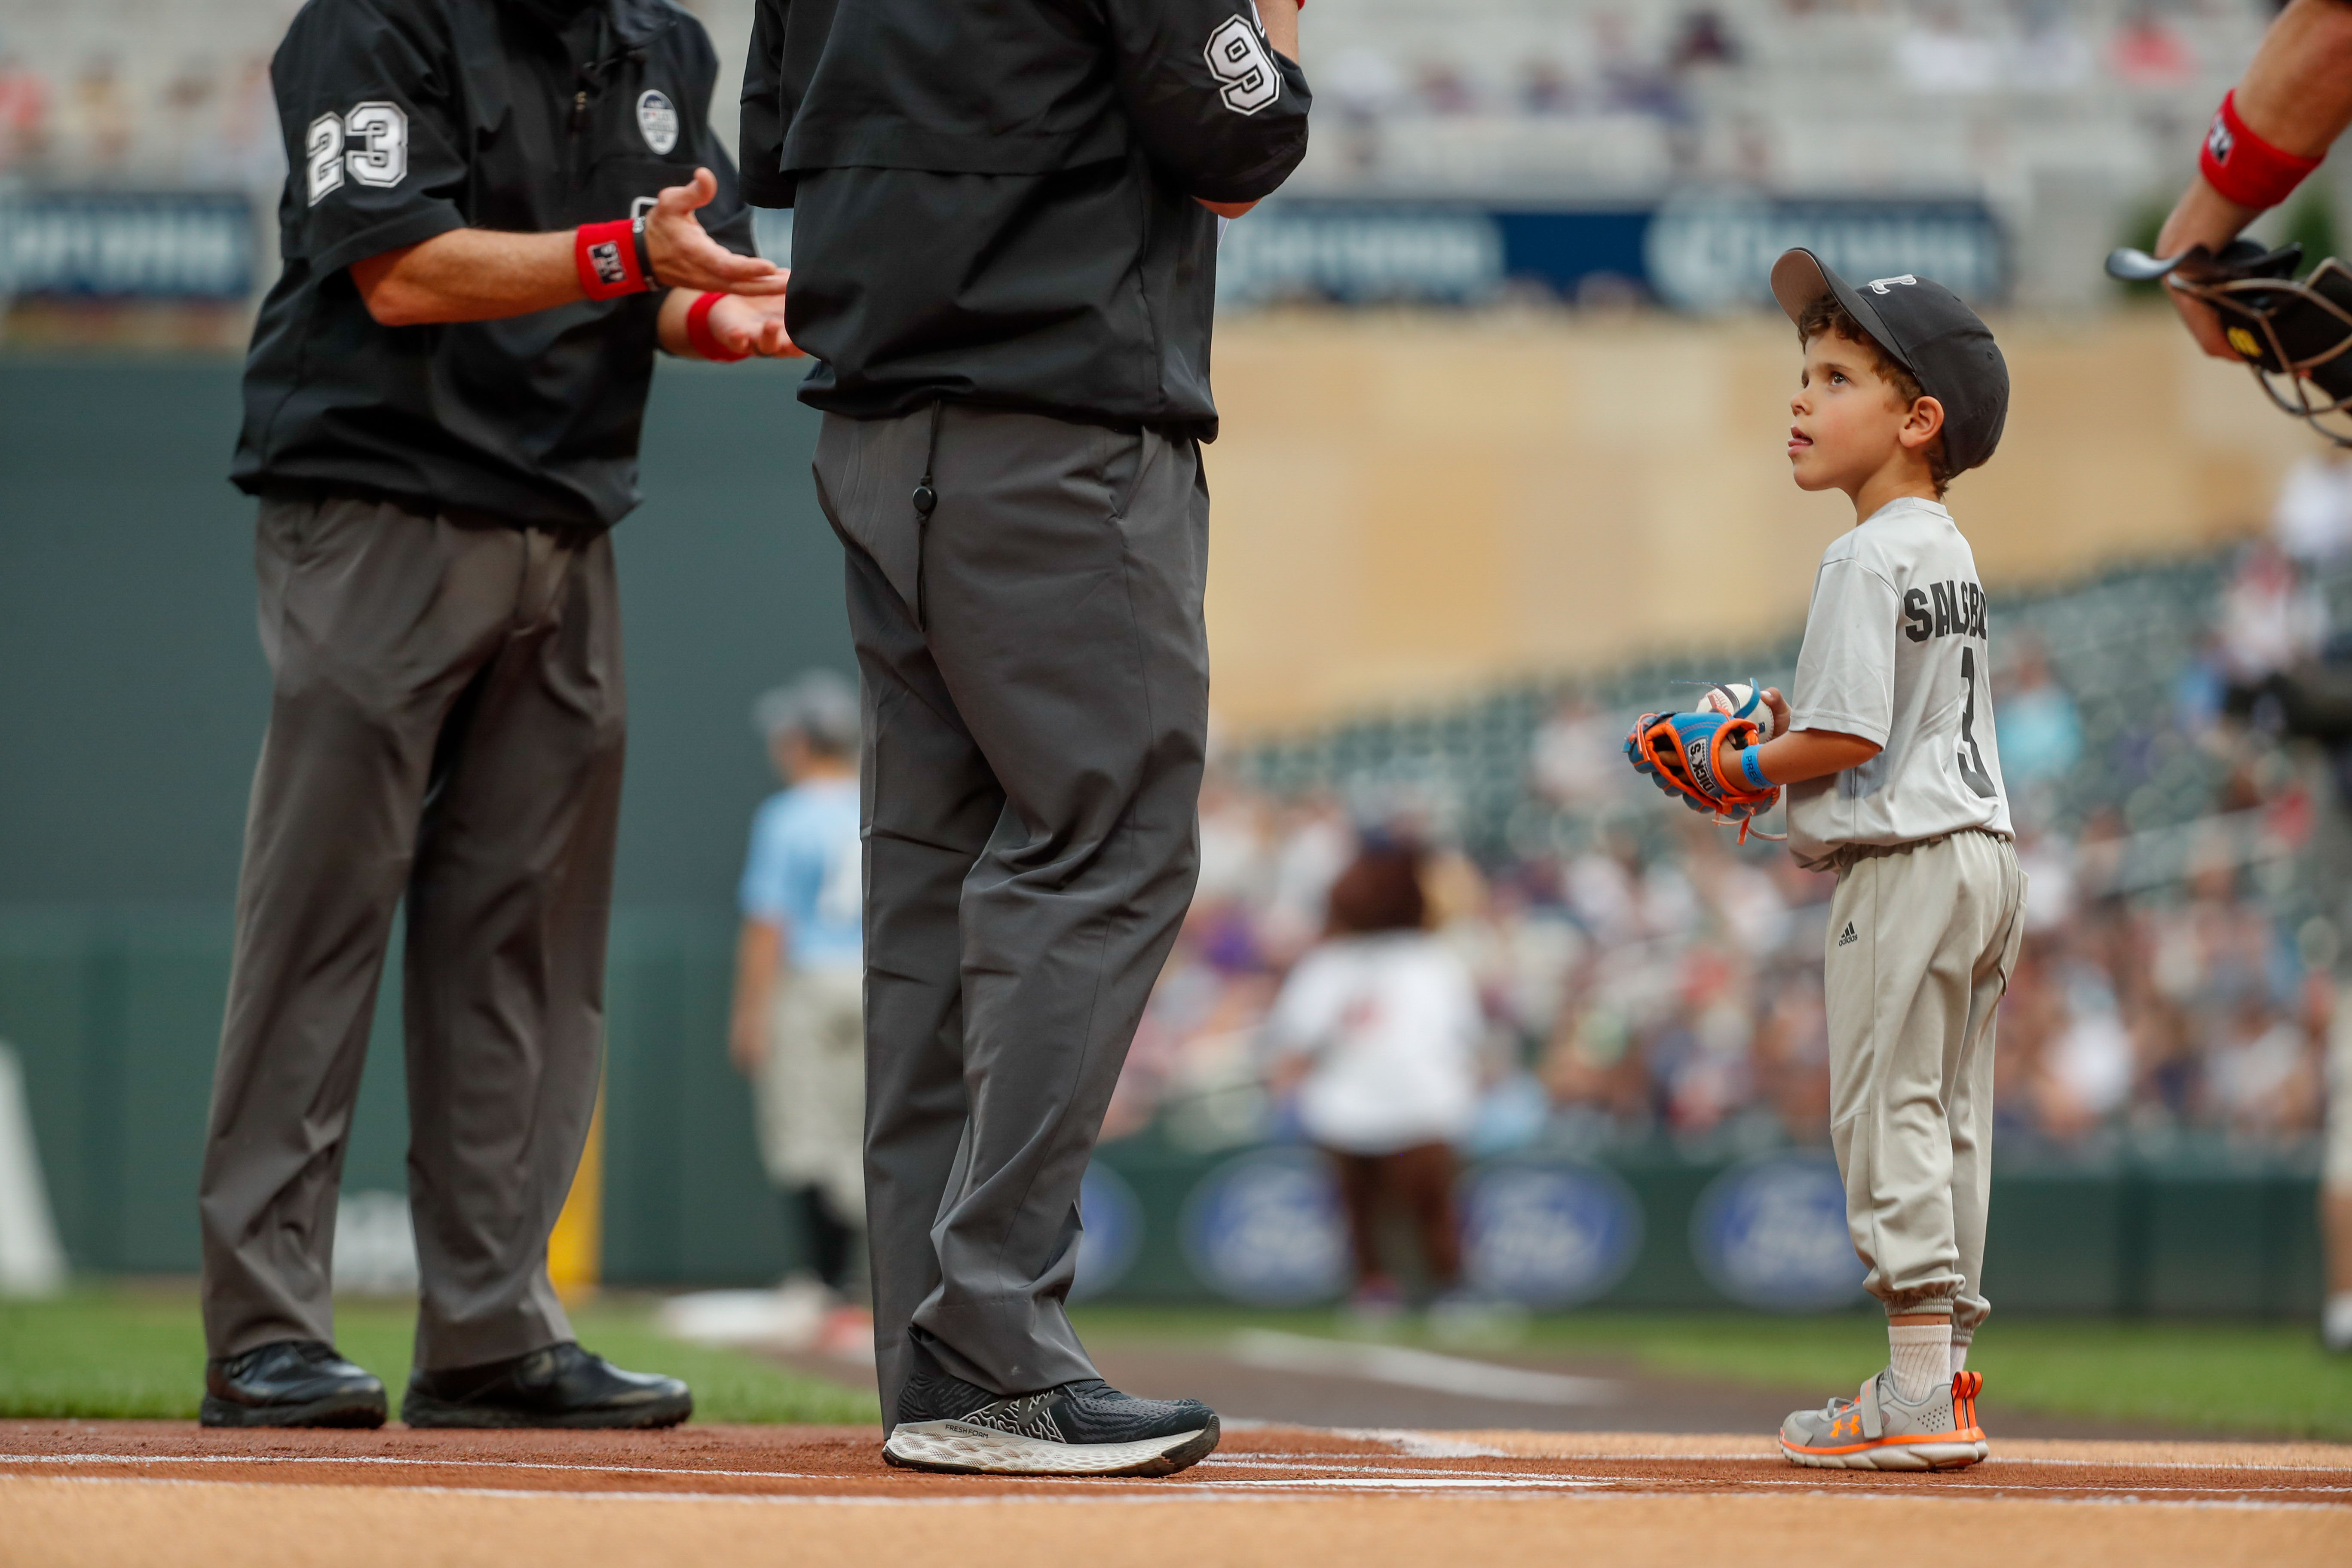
{"x":1902,"y":504}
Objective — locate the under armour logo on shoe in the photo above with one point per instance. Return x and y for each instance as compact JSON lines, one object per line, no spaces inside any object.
{"x":1848,"y":935}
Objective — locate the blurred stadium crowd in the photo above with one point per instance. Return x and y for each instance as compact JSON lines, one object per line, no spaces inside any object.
{"x":1589,"y":93}
{"x":1646,"y":978}
{"x":1975,"y":94}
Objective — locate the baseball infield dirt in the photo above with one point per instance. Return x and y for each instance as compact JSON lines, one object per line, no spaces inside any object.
{"x":108,"y":1492}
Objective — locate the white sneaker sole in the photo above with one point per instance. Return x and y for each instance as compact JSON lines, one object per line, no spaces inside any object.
{"x":960,"y":1448}
{"x":1894,"y":1456}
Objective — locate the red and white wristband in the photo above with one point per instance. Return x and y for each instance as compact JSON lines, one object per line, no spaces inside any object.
{"x":612,"y":259}
{"x":2242,"y":167}
{"x":701,"y":338}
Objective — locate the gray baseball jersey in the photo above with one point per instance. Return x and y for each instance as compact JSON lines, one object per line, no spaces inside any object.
{"x":1896,"y":652}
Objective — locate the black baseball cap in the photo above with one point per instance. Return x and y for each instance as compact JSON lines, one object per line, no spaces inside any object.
{"x":1930,"y":333}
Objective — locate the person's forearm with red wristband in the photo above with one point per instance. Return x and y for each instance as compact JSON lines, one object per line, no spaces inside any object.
{"x":2270,"y":131}
{"x":482,"y":275}
{"x":725,"y":327}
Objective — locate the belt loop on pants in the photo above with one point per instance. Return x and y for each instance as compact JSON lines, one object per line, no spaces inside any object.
{"x":924,"y":499}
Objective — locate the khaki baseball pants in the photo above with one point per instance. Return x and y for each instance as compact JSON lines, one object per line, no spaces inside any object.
{"x":1922,"y":941}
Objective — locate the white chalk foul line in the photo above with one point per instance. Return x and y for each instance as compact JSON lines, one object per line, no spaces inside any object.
{"x":1321,"y":1462}
{"x":1424,"y":1483}
{"x":2222,"y":1466}
{"x":764,"y":1499}
{"x":1379,"y":1477}
{"x":1420,"y":1445}
{"x":1363,"y":1479}
{"x":1467,"y":1450}
{"x":395,"y":1460}
{"x":1174,"y":1494}
{"x":2178,"y":1465}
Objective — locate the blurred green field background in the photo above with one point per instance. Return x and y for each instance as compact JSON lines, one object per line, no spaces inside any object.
{"x":133,"y":1351}
{"x":2260,"y":1379}
{"x":137,"y":1350}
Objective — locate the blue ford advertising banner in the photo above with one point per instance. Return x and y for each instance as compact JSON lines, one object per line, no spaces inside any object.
{"x":1695,"y":252}
{"x":1112,"y":1234}
{"x":127,"y":244}
{"x":1771,"y":1234}
{"x":1547,"y":1232}
{"x":1266,"y":1229}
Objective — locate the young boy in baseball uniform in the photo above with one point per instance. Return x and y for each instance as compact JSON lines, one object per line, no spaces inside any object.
{"x":1887,"y":750}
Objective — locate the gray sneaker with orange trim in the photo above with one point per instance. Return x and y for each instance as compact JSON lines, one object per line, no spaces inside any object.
{"x":1877,"y":1431}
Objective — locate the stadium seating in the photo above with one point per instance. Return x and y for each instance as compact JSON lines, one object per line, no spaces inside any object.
{"x":1561,"y":99}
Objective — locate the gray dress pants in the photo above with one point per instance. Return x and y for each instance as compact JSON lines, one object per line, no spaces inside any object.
{"x":1036,"y":676}
{"x":446,"y":725}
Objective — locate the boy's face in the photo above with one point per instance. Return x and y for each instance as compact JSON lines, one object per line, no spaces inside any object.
{"x":1848,"y":422}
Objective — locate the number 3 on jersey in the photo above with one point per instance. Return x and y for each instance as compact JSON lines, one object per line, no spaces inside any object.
{"x":1972,"y":768}
{"x":379,"y":159}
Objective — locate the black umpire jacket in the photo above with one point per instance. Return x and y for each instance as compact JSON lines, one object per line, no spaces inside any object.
{"x":995,"y":198}
{"x":406,"y":119}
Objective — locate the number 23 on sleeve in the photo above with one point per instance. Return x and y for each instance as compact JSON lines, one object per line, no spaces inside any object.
{"x":369,"y":145}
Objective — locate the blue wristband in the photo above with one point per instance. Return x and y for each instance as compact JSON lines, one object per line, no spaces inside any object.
{"x":1753,"y":770}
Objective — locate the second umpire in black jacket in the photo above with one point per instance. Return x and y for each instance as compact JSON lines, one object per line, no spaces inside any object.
{"x":1005,"y":262}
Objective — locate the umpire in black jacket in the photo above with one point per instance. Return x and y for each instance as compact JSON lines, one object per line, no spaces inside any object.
{"x":489,"y":223}
{"x":1005,"y":247}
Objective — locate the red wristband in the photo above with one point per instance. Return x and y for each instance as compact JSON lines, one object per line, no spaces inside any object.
{"x":699,"y":334}
{"x":2244,"y":168}
{"x":606,"y":255}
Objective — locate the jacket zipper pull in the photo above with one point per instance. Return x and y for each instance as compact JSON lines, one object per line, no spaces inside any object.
{"x":579,"y":110}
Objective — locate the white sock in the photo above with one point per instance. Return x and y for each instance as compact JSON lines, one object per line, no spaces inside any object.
{"x":1960,"y":1355}
{"x":1920,"y":1355}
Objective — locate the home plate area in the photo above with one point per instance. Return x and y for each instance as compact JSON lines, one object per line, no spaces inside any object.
{"x":126,"y":1492}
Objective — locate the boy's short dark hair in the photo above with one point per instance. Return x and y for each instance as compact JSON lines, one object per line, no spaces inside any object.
{"x":1824,"y":314}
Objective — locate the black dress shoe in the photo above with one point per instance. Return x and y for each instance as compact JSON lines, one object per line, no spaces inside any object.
{"x":562,"y":1385}
{"x":290,"y":1382}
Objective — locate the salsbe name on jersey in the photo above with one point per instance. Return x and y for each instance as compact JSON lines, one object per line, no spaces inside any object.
{"x":1944,"y":609}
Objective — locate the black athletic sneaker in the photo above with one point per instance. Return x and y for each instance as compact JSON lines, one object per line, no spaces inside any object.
{"x":1083,"y":1428}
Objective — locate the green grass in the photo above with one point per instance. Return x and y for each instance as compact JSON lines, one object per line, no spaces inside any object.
{"x":134,"y":1351}
{"x":140,"y":1352}
{"x":2259,"y":1379}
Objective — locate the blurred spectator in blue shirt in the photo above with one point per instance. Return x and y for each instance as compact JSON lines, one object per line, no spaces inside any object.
{"x":799,"y":1030}
{"x":2040,"y":733}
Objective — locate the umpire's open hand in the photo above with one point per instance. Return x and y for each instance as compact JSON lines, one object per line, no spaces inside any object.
{"x":684,"y":256}
{"x":754,"y":326}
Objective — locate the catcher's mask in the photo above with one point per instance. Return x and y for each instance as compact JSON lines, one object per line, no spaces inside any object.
{"x":2294,"y":335}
